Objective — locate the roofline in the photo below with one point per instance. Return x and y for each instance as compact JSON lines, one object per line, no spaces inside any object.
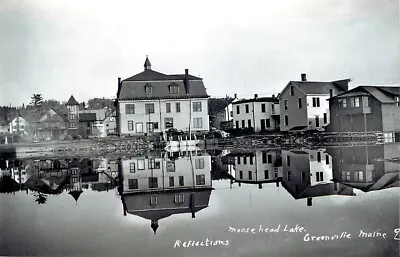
{"x":170,"y":208}
{"x":260,"y":99}
{"x":162,"y":97}
{"x":163,"y":80}
{"x":167,"y":190}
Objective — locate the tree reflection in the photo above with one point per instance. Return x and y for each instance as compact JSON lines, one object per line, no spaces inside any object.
{"x":40,"y":198}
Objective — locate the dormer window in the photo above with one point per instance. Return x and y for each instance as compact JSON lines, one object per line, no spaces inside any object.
{"x":149,"y":89}
{"x":173,"y":88}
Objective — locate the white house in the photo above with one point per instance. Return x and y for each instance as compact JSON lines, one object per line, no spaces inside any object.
{"x":151,"y":102}
{"x":260,"y":113}
{"x":304,"y":104}
{"x":259,"y":167}
{"x":18,"y":124}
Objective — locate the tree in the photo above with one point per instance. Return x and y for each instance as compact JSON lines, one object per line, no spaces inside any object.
{"x":37,"y":100}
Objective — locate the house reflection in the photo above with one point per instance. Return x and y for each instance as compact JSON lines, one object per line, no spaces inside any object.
{"x":158,"y":186}
{"x":308,"y":174}
{"x":364,"y":168}
{"x":257,"y":167}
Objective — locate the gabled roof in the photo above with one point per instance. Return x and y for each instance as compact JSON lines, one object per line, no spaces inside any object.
{"x":319,"y":87}
{"x":382,"y":94}
{"x":72,"y":101}
{"x":62,"y":115}
{"x":76,"y":194}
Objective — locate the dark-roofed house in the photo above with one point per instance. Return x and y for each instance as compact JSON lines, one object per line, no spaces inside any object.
{"x":155,"y":102}
{"x":155,"y":188}
{"x":304,"y":105}
{"x":366,"y":109}
{"x":259,"y":113}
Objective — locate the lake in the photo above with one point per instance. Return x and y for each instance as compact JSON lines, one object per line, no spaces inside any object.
{"x":336,"y":201}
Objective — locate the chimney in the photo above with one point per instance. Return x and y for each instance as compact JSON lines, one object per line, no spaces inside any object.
{"x":260,"y":186}
{"x":255,"y":96}
{"x":186,"y":81}
{"x":303,"y":77}
{"x":235,"y":96}
{"x":273,"y":96}
{"x":119,"y":87}
{"x":309,"y":201}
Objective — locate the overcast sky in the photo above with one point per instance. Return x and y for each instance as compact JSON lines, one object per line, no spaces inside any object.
{"x":58,"y":47}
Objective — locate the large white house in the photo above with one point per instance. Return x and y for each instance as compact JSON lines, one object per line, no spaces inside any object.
{"x":260,"y":113}
{"x":151,"y":102}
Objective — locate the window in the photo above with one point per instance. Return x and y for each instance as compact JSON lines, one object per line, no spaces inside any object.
{"x":179,"y":198}
{"x":268,"y":123}
{"x":72,"y":125}
{"x":250,"y":175}
{"x":291,"y":90}
{"x":197,"y":122}
{"x":316,"y":102}
{"x":152,"y":163}
{"x":237,"y":109}
{"x":266,"y":174}
{"x":243,"y":124}
{"x":342,"y":102}
{"x":320,"y":176}
{"x":263,"y":109}
{"x":249,"y":123}
{"x":153,"y":200}
{"x":173,"y":89}
{"x":139,"y":127}
{"x":273,"y":108}
{"x":325,"y":118}
{"x":197,"y":107}
{"x":130,"y":125}
{"x":359,"y":176}
{"x":264,"y":157}
{"x":286,"y":120}
{"x":238,"y":160}
{"x":168,"y":123}
{"x":289,"y":175}
{"x":200,"y":179}
{"x":327,"y":159}
{"x":132,"y":167}
{"x":303,"y":176}
{"x":355,"y":102}
{"x":285,"y":104}
{"x":269,"y":158}
{"x":129,"y":109}
{"x":150,"y":127}
{"x":288,"y":160}
{"x":72,"y":116}
{"x":240,"y":174}
{"x":170,"y":166}
{"x":149,"y":89}
{"x":300,"y":103}
{"x":178,"y":107}
{"x":155,"y":125}
{"x":168,"y":107}
{"x":199,"y":163}
{"x":181,"y":181}
{"x":71,"y":108}
{"x":74,"y":171}
{"x":251,"y":160}
{"x":149,"y":108}
{"x":247,"y":108}
{"x":140,"y":164}
{"x":153,"y":182}
{"x":132,"y":183}
{"x":237,"y":124}
{"x":245,"y":160}
{"x":171,"y":181}
{"x":318,"y":156}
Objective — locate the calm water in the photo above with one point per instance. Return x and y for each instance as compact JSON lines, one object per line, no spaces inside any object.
{"x":156,"y":205}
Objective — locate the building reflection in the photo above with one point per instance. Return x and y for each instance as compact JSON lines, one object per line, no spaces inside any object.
{"x":158,"y":186}
{"x":54,"y":176}
{"x":365,"y":167}
{"x":257,"y":167}
{"x":308,"y":174}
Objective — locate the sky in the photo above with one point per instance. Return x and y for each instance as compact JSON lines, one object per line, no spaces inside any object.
{"x":58,"y":48}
